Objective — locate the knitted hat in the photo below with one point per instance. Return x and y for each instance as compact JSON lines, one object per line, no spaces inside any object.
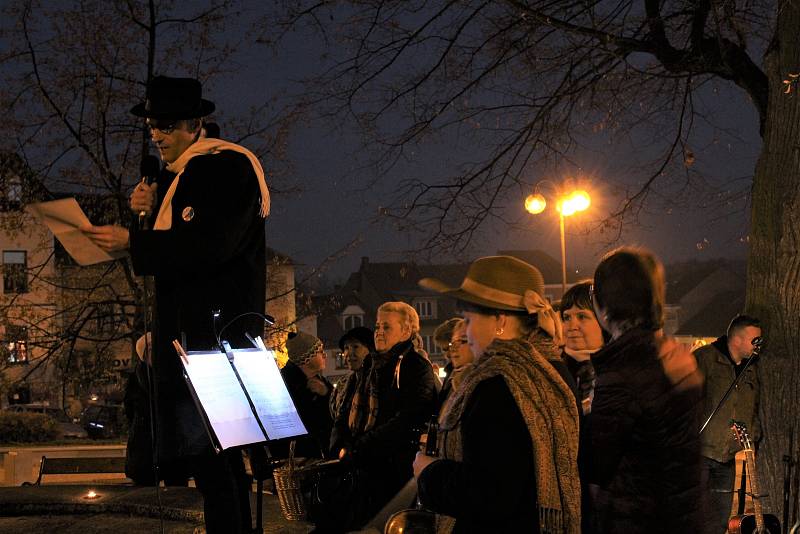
{"x":301,"y":347}
{"x":362,"y":334}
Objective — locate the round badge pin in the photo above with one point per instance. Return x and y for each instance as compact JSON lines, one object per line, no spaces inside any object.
{"x":188,"y":213}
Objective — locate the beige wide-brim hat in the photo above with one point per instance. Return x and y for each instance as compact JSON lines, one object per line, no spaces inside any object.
{"x":497,"y":282}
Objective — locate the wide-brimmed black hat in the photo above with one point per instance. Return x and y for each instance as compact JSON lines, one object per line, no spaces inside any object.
{"x":173,"y":98}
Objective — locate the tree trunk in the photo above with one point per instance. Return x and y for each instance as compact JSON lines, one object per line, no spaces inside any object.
{"x":773,"y":289}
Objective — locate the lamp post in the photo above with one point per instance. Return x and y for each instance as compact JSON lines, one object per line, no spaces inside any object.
{"x":567,"y":203}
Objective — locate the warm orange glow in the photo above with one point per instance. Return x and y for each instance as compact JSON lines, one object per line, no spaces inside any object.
{"x":566,"y":204}
{"x":580,"y":200}
{"x":535,"y":204}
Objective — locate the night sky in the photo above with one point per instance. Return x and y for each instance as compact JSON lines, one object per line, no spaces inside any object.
{"x":340,"y":196}
{"x":336,"y":205}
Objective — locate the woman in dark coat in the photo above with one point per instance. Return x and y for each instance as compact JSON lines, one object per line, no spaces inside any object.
{"x":583,"y":337}
{"x":643,"y":449}
{"x":508,"y":438}
{"x":356,"y":344}
{"x":393,"y":399}
{"x":310,"y":392}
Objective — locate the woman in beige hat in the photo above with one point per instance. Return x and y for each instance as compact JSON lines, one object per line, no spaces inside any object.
{"x":509,"y":437}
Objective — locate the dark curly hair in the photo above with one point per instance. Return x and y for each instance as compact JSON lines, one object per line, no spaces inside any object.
{"x":578,"y":296}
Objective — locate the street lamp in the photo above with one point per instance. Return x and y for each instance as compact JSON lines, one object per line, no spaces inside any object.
{"x":567,"y":203}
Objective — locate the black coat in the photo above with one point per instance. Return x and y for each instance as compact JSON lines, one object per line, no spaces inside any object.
{"x":216,"y":260}
{"x":386,"y":451}
{"x":313,"y":410}
{"x":643,"y":447}
{"x":493,"y":489}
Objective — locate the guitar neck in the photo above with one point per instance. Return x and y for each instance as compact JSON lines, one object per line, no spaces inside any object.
{"x":757,"y":510}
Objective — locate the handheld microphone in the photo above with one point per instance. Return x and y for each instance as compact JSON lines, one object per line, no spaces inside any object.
{"x":758,"y":341}
{"x":148,"y":169}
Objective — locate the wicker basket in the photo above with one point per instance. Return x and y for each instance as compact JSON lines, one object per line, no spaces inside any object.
{"x":288,"y":481}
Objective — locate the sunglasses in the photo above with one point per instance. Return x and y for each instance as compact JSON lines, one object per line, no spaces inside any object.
{"x":162,"y":125}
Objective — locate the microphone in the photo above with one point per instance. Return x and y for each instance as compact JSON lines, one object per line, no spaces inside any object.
{"x":757,"y":342}
{"x":148,"y":169}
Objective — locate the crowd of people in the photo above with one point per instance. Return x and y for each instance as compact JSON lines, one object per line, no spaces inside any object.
{"x":583,"y":417}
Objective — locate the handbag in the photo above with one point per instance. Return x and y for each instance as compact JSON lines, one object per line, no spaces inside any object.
{"x":337,"y":497}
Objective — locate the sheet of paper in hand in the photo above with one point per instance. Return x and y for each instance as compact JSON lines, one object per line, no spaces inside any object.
{"x":64,"y":217}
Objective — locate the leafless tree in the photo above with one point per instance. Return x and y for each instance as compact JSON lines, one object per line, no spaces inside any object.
{"x":527,"y":82}
{"x":71,"y":71}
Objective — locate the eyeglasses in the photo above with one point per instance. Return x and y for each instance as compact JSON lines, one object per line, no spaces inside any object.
{"x":164,"y":126}
{"x":453,"y":345}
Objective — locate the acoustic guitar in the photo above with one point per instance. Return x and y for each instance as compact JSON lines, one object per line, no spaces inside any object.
{"x":758,"y":522}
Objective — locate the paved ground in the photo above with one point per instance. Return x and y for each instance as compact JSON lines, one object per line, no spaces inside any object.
{"x":117,"y":509}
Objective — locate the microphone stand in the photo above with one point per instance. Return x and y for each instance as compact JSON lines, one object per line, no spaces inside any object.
{"x":149,"y":168}
{"x":255,"y":453}
{"x":750,"y":360}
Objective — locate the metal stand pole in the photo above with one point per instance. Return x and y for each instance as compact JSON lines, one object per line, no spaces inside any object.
{"x":735,"y":383}
{"x":563,"y":254}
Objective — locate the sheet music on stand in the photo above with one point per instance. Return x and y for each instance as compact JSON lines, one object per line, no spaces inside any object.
{"x":243,"y":401}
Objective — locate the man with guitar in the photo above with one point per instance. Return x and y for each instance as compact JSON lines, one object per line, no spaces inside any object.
{"x":721,"y":362}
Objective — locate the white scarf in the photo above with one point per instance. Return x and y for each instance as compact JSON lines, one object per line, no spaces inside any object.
{"x":203,"y":147}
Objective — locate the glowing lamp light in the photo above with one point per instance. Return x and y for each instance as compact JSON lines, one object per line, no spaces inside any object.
{"x":535,"y":204}
{"x":91,"y":494}
{"x":565,"y":207}
{"x":580,"y":200}
{"x":575,"y":202}
{"x":567,"y":204}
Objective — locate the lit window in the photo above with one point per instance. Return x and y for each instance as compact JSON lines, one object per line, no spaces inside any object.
{"x":15,"y":271}
{"x":15,"y":344}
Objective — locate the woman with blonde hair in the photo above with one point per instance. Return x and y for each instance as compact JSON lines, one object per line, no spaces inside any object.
{"x":394,"y":398}
{"x":508,"y":437}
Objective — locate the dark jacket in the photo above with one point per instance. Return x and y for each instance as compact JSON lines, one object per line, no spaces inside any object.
{"x":643,"y":446}
{"x":582,"y":374}
{"x":215,"y":260}
{"x":314,"y":411}
{"x":742,"y":405}
{"x":386,"y":451}
{"x":494,"y":488}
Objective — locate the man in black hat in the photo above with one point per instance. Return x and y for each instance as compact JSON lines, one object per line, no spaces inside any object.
{"x":206,"y":252}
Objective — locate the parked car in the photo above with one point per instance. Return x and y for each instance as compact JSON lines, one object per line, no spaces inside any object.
{"x":67,"y":428}
{"x":103,"y":421}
